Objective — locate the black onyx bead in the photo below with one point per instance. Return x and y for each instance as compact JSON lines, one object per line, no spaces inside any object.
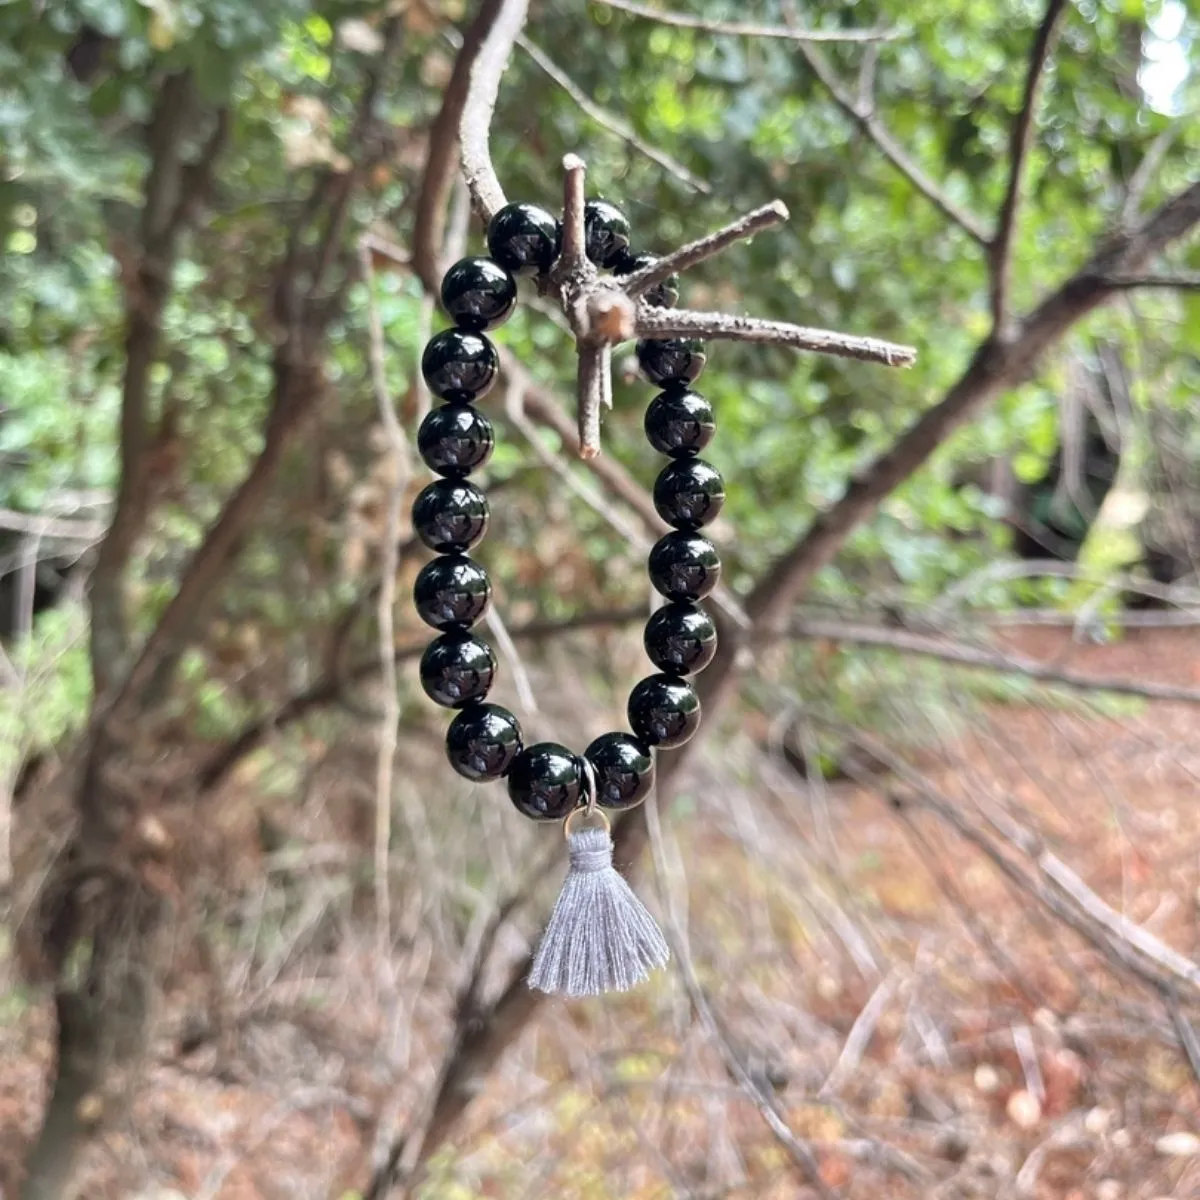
{"x":482,"y":741}
{"x":689,"y":493}
{"x":478,"y":294}
{"x":679,"y":422}
{"x":457,"y":669}
{"x":459,"y":365}
{"x":624,"y":769}
{"x":661,"y":295}
{"x":523,"y":238}
{"x":605,"y":232}
{"x":545,"y":781}
{"x":454,"y":439}
{"x":664,"y":711}
{"x":450,"y":515}
{"x":451,"y":592}
{"x":684,"y":566}
{"x":680,"y":639}
{"x":671,"y":360}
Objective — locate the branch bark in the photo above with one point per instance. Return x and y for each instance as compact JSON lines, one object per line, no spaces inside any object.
{"x":171,"y":195}
{"x":1000,"y":249}
{"x":441,"y":162}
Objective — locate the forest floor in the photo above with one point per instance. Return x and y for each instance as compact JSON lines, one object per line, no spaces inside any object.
{"x":936,"y":1007}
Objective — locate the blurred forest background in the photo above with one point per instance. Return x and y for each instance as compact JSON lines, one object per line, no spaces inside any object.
{"x":933,"y":865}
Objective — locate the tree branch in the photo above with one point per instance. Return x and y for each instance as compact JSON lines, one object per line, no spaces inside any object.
{"x":441,"y":161}
{"x":172,"y":189}
{"x":747,"y":29}
{"x":703,"y":248}
{"x":1181,"y":282}
{"x":996,"y":367}
{"x":682,"y":322}
{"x":964,"y":654}
{"x":506,"y":21}
{"x":610,"y":121}
{"x":1000,"y":249}
{"x":868,"y":121}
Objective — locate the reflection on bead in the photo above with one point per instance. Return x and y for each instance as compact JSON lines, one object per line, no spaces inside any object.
{"x":451,"y":592}
{"x":671,"y":360}
{"x":606,"y":232}
{"x":450,"y":515}
{"x":680,"y":639}
{"x":455,"y":439}
{"x":457,"y":669}
{"x":684,"y":566}
{"x":478,"y":294}
{"x":661,"y":295}
{"x":689,"y":493}
{"x":482,"y":741}
{"x":624,"y":770}
{"x":679,"y":422}
{"x":459,"y":365}
{"x":545,"y":781}
{"x":523,"y":238}
{"x":664,"y":711}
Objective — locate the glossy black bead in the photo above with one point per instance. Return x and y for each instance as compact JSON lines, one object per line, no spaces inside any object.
{"x":684,"y":566}
{"x":478,"y":294}
{"x":459,"y":365}
{"x":455,"y":439}
{"x":689,"y":493}
{"x":661,"y":295}
{"x":680,"y":639}
{"x":679,"y":422}
{"x":457,"y":669}
{"x":624,"y":770}
{"x":671,"y":360}
{"x":451,"y":592}
{"x":482,"y":741}
{"x":664,"y":711}
{"x":605,"y":232}
{"x":450,"y":515}
{"x":545,"y":781}
{"x":523,"y":238}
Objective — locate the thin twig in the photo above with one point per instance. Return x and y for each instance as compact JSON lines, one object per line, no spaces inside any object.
{"x":574,"y":252}
{"x":1000,"y":250}
{"x":610,"y":121}
{"x":748,"y":29}
{"x":864,"y":115}
{"x":389,"y":558}
{"x":482,"y":92}
{"x":992,"y":660}
{"x":703,"y":248}
{"x":63,"y":528}
{"x":682,"y":322}
{"x":800,"y":1152}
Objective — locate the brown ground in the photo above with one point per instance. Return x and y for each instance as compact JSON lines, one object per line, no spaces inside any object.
{"x":1003,"y":1055}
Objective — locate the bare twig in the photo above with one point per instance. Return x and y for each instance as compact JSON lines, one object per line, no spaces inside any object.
{"x":1000,"y":249}
{"x":1144,"y":173}
{"x":507,"y":20}
{"x":389,"y":556}
{"x":681,"y":322}
{"x":1180,"y":282}
{"x":706,"y":247}
{"x":747,"y":29}
{"x":864,"y":115}
{"x":573,"y":256}
{"x":441,"y":160}
{"x":798,"y":1150}
{"x":64,"y":529}
{"x":606,"y":120}
{"x":993,"y":660}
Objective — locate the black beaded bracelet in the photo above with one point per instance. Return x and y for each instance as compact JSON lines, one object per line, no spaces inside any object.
{"x":547,"y":781}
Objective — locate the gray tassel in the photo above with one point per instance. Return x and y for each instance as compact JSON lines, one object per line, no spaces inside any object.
{"x":600,"y":937}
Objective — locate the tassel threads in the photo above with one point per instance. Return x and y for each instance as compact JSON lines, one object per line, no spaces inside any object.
{"x":601,"y":938}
